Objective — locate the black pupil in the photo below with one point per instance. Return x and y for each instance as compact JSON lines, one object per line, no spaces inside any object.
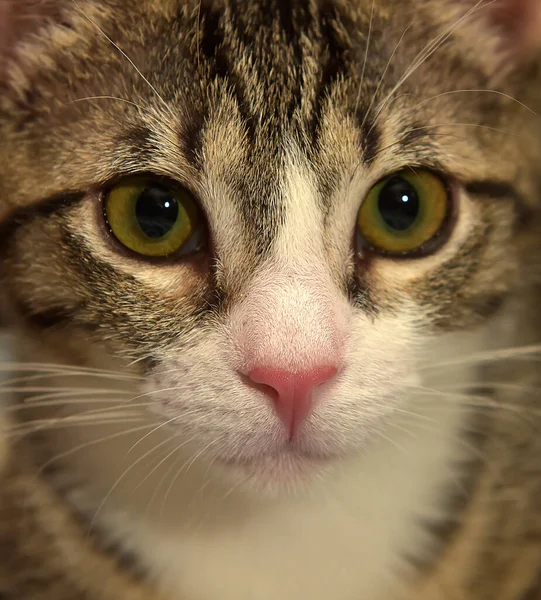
{"x":398,"y":204}
{"x":156,"y":211}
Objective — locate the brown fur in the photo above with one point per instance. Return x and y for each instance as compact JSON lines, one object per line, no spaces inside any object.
{"x":196,"y":99}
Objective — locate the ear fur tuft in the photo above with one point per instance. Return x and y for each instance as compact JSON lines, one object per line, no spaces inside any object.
{"x":500,"y":35}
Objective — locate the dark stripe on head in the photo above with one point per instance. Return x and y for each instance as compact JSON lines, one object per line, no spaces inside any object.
{"x":191,"y":137}
{"x":334,"y":58}
{"x":136,"y":142}
{"x":212,"y":46}
{"x":294,"y":18}
{"x":356,"y":288}
{"x":370,"y":140}
{"x":412,"y":135}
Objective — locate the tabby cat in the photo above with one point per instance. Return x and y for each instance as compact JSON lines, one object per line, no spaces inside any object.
{"x":270,"y":272}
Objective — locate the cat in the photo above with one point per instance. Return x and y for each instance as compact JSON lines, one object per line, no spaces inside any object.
{"x":270,"y":273}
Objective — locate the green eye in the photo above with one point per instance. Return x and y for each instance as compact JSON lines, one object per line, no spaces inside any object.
{"x":152,"y":217}
{"x":403,"y":212}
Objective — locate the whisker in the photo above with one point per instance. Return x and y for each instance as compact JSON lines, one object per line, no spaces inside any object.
{"x":414,"y":414}
{"x":163,"y":480}
{"x":52,"y":390}
{"x":121,"y":478}
{"x":426,"y":53}
{"x":479,"y":125}
{"x":160,"y":391}
{"x":495,"y":385}
{"x":220,"y":501}
{"x":163,"y":460}
{"x":472,"y":449}
{"x":138,"y":71}
{"x":513,"y":353}
{"x":390,"y":440}
{"x":200,"y":453}
{"x":382,"y":78}
{"x":400,"y":142}
{"x":178,"y":473}
{"x":106,"y":438}
{"x":151,"y":432}
{"x":44,"y":376}
{"x":472,"y":90}
{"x":18,"y":431}
{"x":171,"y":483}
{"x":476,"y":401}
{"x":87,"y":98}
{"x":67,"y":370}
{"x":491,"y":403}
{"x":365,"y":57}
{"x":65,"y":402}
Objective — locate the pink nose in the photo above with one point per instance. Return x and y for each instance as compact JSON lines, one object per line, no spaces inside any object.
{"x":291,"y":393}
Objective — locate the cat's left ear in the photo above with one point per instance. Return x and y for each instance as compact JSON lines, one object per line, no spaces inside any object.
{"x":519,"y":25}
{"x":503,"y":34}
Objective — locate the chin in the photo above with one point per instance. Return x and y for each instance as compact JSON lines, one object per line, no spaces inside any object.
{"x":284,"y":471}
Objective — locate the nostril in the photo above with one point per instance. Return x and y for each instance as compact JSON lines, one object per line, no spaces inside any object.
{"x":290,"y":392}
{"x":261,"y":387}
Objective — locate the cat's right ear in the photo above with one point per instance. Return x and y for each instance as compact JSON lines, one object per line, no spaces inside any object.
{"x":20,"y":21}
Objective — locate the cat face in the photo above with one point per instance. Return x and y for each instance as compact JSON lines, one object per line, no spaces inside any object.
{"x":278,"y":214}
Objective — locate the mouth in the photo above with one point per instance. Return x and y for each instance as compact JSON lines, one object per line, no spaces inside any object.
{"x":287,"y":466}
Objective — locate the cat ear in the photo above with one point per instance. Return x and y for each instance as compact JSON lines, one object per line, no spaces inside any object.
{"x":518,"y":23}
{"x":505,"y":34}
{"x":19,"y":20}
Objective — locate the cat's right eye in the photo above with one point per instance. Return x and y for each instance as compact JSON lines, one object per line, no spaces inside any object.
{"x":153,"y":217}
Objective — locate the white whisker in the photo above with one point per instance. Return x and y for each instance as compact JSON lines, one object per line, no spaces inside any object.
{"x":164,"y":424}
{"x":426,"y":53}
{"x":138,"y":71}
{"x":122,"y":476}
{"x":103,"y":439}
{"x":88,"y":98}
{"x":382,"y":78}
{"x":365,"y":57}
{"x":487,"y":356}
{"x":463,"y":91}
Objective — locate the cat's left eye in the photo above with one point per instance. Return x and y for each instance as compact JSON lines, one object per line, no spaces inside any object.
{"x":153,"y":217}
{"x":404,"y":213}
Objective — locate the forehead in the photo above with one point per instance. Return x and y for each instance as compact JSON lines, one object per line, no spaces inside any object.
{"x":268,"y":71}
{"x":248,"y":80}
{"x":222,"y":91}
{"x":244,"y":80}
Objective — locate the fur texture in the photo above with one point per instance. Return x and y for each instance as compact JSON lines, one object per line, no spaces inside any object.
{"x":138,"y":462}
